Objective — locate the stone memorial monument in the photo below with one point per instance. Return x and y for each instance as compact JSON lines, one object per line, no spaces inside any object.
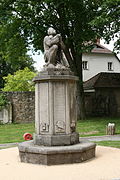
{"x":55,"y":140}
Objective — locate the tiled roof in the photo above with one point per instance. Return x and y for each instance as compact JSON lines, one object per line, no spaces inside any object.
{"x":103,"y":79}
{"x":98,"y":48}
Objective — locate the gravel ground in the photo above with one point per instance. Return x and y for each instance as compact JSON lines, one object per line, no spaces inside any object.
{"x":105,"y":166}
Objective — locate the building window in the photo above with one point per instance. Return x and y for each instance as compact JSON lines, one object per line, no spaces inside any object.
{"x":110,"y":66}
{"x":85,"y":65}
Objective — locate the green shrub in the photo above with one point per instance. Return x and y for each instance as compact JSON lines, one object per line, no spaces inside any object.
{"x":20,"y":81}
{"x":3,"y":101}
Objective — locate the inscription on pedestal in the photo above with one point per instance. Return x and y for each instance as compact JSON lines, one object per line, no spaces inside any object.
{"x":59,"y":107}
{"x":44,"y":116}
{"x":55,"y":110}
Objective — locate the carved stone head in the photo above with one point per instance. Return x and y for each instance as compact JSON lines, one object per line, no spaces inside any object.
{"x":51,"y":31}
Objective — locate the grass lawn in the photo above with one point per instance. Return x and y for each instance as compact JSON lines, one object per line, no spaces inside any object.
{"x":115,"y":144}
{"x":10,"y":133}
{"x":91,"y":127}
{"x":96,"y":126}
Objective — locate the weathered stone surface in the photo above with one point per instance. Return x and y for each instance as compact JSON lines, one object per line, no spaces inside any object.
{"x":23,"y":106}
{"x":54,"y":49}
{"x":6,"y":114}
{"x":55,"y":109}
{"x":56,"y":140}
{"x":77,"y":153}
{"x":55,"y":76}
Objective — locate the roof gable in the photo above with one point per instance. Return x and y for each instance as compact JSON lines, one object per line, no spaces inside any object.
{"x":98,"y":48}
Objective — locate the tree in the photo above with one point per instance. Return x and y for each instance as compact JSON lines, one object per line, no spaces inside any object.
{"x":109,"y":17}
{"x":13,"y":48}
{"x":76,"y":20}
{"x":20,"y":81}
{"x":9,"y":67}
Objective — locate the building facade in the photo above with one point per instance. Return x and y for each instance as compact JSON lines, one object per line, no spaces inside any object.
{"x":99,"y":60}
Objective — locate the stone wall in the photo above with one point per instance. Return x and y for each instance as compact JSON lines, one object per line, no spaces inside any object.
{"x":103,"y":102}
{"x":23,"y":106}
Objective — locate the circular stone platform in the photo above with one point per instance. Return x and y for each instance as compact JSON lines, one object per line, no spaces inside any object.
{"x":77,"y":153}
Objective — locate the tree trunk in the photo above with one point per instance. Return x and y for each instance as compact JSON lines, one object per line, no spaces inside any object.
{"x":76,"y":66}
{"x":80,"y":101}
{"x":80,"y":96}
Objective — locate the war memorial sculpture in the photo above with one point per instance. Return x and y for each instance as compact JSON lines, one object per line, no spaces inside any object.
{"x":55,"y":140}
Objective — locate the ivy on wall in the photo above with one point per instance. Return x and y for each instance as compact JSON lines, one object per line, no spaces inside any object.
{"x":3,"y":101}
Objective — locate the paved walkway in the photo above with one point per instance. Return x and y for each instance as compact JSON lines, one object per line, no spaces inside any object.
{"x":102,"y":138}
{"x":90,"y":138}
{"x":8,"y":145}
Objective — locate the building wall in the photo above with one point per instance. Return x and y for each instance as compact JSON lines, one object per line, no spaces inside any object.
{"x":23,"y":106}
{"x":99,"y":63}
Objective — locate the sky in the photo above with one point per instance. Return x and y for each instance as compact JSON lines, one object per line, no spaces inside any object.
{"x":39,"y":59}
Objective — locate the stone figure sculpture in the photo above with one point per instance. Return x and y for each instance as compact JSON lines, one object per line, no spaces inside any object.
{"x":53,"y":49}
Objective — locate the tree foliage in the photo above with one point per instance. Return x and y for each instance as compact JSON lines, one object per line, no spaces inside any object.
{"x":26,"y":21}
{"x":3,"y":100}
{"x":20,"y":81}
{"x":108,"y":21}
{"x":11,"y":66}
{"x":13,"y":46}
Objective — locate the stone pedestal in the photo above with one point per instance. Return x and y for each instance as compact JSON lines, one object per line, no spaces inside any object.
{"x":55,"y":140}
{"x":55,"y":109}
{"x":55,"y":155}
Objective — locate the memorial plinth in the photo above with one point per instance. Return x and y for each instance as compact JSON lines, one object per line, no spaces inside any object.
{"x":55,"y":109}
{"x":55,"y":140}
